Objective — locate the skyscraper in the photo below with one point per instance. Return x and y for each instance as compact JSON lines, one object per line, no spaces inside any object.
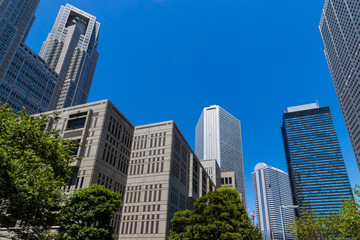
{"x":318,"y":177}
{"x":16,"y":18}
{"x":218,"y":136}
{"x":70,"y":49}
{"x":272,"y":191}
{"x":339,"y":28}
{"x":29,"y":83}
{"x":26,"y":81}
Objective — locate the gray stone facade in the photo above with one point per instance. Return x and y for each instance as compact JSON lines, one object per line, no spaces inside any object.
{"x":105,"y":137}
{"x":213,"y":169}
{"x":164,"y":177}
{"x":152,"y":166}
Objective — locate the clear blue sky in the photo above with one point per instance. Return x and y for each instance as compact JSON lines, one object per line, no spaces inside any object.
{"x":168,"y":59}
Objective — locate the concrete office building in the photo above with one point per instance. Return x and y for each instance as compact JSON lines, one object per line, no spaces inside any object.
{"x":70,"y":49}
{"x":228,"y":179}
{"x":29,"y":83}
{"x":218,"y":136}
{"x":16,"y":18}
{"x":318,"y":177}
{"x":105,"y":137}
{"x":339,"y":28}
{"x":272,"y":191}
{"x":213,"y":169}
{"x":164,"y":177}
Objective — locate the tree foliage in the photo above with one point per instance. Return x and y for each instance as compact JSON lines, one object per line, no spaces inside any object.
{"x":87,"y":214}
{"x":344,"y":224}
{"x":33,"y":166}
{"x":218,"y":215}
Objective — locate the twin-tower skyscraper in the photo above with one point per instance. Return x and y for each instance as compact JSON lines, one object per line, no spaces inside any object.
{"x":70,"y":49}
{"x":62,"y":74}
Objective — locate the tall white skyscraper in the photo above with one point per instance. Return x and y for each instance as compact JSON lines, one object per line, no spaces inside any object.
{"x":339,"y":28}
{"x":70,"y":49}
{"x":218,"y":136}
{"x":272,"y":191}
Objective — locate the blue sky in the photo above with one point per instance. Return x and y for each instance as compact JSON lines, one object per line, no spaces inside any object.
{"x":168,"y":59}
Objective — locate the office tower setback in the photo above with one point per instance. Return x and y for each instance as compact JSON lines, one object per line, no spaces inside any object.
{"x":228,"y":179}
{"x":318,"y":177}
{"x":218,"y":136}
{"x":16,"y":17}
{"x":164,"y":177}
{"x":213,"y":169}
{"x":70,"y":49}
{"x":339,"y":28}
{"x":272,"y":192}
{"x":105,"y":137}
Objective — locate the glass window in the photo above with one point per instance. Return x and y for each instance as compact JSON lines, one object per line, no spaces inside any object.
{"x":76,"y":123}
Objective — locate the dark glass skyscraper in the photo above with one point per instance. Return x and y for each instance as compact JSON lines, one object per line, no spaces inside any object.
{"x":318,"y":177}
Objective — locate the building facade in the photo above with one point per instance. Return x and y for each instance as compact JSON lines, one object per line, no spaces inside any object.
{"x":70,"y":49}
{"x":164,"y":177}
{"x":29,"y":83}
{"x":339,"y":28}
{"x":16,"y":18}
{"x":26,"y":81}
{"x":212,"y":167}
{"x":218,"y":136}
{"x":272,"y":192}
{"x":228,"y":179}
{"x":318,"y":177}
{"x":105,"y":136}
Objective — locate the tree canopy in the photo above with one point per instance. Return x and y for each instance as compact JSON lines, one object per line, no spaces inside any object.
{"x":343,"y":224}
{"x":87,"y":214}
{"x":33,"y":166}
{"x":218,"y":215}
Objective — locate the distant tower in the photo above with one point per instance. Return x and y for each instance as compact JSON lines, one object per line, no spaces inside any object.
{"x":70,"y":49}
{"x":218,"y":136}
{"x":339,"y":28}
{"x":16,"y":18}
{"x":318,"y":177}
{"x":272,"y":190}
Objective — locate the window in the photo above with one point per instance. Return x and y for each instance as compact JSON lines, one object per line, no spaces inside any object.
{"x":75,"y":123}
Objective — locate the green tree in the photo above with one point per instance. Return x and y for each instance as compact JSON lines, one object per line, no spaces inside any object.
{"x":33,"y":166}
{"x":347,"y":220}
{"x":343,"y":224}
{"x":87,"y":214}
{"x":313,"y":226}
{"x":218,"y":215}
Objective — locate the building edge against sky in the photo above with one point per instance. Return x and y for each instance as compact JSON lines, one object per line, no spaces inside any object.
{"x":218,"y":136}
{"x":62,"y":75}
{"x":26,"y":81}
{"x":318,"y":177}
{"x":16,"y":25}
{"x":71,"y":50}
{"x":272,"y":191}
{"x":339,"y":28}
{"x":151,"y":165}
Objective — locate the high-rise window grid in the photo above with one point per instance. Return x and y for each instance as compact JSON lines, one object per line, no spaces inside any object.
{"x":339,"y":27}
{"x":319,"y":179}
